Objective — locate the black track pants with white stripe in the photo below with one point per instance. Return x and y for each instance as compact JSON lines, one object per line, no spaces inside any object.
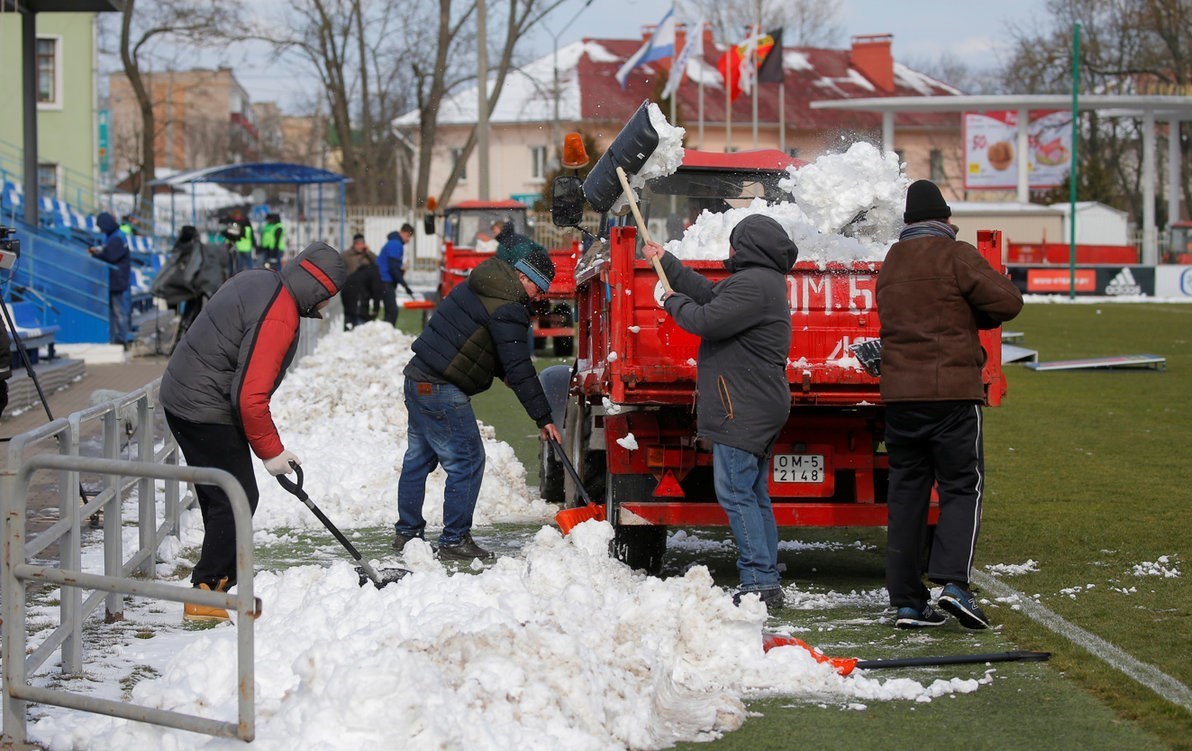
{"x":932,"y":443}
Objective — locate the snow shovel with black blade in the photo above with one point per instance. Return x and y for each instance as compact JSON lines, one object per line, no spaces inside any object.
{"x":568,"y":519}
{"x":845,"y":665}
{"x":365,"y":570}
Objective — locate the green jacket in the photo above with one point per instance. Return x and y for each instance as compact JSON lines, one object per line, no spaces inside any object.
{"x":273,"y":237}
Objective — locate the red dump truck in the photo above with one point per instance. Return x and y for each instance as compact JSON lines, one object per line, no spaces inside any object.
{"x":467,"y":241}
{"x":628,"y":418}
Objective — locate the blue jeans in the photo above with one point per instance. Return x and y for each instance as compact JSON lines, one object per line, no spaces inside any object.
{"x":120,"y":317}
{"x":741,"y":479}
{"x":443,"y":430}
{"x":241,"y":260}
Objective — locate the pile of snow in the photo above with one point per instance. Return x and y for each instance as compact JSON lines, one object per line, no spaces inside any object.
{"x":561,"y":648}
{"x":1162,"y":567}
{"x":861,"y":192}
{"x":1014,"y":569}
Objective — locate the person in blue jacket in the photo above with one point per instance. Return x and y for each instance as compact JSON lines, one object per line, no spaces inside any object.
{"x":115,"y":253}
{"x":391,"y":262}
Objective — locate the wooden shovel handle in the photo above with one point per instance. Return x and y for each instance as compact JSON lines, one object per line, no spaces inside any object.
{"x":641,"y":226}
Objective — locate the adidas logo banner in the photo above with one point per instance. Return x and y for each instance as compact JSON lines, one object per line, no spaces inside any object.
{"x":1123,"y":284}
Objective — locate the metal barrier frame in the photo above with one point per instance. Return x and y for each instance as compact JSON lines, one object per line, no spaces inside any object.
{"x":110,"y":588}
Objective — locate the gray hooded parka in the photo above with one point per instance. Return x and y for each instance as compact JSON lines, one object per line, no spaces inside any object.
{"x":744,"y":323}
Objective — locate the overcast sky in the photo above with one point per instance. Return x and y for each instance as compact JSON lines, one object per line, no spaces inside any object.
{"x":971,"y":31}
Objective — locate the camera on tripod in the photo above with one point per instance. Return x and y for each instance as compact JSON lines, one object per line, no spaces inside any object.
{"x":10,"y":248}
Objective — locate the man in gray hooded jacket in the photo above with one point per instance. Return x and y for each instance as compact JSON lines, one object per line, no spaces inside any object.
{"x":744,"y":323}
{"x":218,"y":383}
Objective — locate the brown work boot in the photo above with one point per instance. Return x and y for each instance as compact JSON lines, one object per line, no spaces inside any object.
{"x":193,"y":612}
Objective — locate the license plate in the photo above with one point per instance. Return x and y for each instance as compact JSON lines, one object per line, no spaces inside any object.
{"x":799,"y":468}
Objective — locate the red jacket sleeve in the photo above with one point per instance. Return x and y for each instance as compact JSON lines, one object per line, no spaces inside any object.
{"x":269,"y":347}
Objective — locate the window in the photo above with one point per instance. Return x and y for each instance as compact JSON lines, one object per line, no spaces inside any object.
{"x":47,"y":180}
{"x":455,"y":157}
{"x":937,"y":166}
{"x":49,"y":73}
{"x":537,"y":162}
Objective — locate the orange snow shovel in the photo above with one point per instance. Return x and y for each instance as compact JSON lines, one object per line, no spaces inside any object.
{"x":567,"y":519}
{"x":845,"y":665}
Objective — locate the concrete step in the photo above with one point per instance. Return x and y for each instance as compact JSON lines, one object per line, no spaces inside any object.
{"x":53,"y":375}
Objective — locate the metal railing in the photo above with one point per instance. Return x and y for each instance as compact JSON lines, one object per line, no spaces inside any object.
{"x":123,"y":575}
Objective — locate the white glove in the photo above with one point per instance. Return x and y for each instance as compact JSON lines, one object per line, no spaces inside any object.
{"x":280,"y":464}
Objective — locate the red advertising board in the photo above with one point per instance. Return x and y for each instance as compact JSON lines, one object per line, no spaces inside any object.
{"x":1044,"y":281}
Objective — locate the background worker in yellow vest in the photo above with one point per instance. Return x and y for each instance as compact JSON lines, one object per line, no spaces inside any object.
{"x":273,"y":241}
{"x":241,"y":240}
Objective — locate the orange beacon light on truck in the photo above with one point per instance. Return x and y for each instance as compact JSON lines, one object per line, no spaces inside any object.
{"x":575,"y":156}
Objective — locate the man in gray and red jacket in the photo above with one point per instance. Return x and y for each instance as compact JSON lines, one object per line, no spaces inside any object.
{"x":933,"y":295}
{"x":218,"y":383}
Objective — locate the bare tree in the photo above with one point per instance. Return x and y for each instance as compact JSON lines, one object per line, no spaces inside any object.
{"x":522,"y":16}
{"x":955,"y":72}
{"x":142,"y":28}
{"x":357,"y":50}
{"x":1127,"y":47}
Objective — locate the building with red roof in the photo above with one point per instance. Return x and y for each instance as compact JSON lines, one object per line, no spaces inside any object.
{"x":533,"y":113}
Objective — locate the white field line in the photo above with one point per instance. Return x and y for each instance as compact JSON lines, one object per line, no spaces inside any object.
{"x":1148,"y":675}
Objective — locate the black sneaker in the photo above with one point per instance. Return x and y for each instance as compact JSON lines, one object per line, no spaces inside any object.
{"x":400,"y":540}
{"x":464,"y":550}
{"x":960,"y":602}
{"x":915,"y":618}
{"x":771,"y":597}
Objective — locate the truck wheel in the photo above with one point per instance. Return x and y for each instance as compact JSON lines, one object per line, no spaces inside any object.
{"x":640,"y":547}
{"x":564,"y":345}
{"x":550,"y":474}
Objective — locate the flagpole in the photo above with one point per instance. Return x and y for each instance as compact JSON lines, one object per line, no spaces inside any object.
{"x":782,"y":115}
{"x":728,"y":104}
{"x":674,"y":59}
{"x":701,"y":99}
{"x":756,"y":84}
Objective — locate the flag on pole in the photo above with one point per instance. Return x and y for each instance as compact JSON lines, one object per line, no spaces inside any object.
{"x":659,"y":46}
{"x":736,"y":64}
{"x":770,"y":68}
{"x":693,"y":46}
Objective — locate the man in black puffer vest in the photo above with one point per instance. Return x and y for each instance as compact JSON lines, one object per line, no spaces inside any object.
{"x":477,"y":333}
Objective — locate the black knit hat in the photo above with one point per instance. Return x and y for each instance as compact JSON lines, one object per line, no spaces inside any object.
{"x":538,"y":266}
{"x":923,"y":202}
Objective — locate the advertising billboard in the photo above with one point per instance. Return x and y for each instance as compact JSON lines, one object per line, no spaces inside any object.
{"x":991,"y":144}
{"x":1101,"y":281}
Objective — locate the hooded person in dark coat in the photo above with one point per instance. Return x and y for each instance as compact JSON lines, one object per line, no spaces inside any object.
{"x":218,"y":384}
{"x":115,"y":253}
{"x":744,"y":325}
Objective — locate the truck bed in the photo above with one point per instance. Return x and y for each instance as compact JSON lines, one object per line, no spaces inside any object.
{"x":631,"y":351}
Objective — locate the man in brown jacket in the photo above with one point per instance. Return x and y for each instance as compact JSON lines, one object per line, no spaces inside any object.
{"x":933,"y":294}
